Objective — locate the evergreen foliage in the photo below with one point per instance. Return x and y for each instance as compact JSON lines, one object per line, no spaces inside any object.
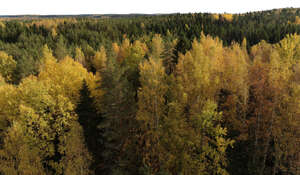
{"x":192,"y":94}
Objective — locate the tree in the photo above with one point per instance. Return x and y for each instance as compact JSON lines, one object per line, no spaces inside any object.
{"x":157,"y":46}
{"x":66,"y":77}
{"x":274,"y":95}
{"x":90,"y":119}
{"x":8,"y":104}
{"x":99,"y":60}
{"x":45,"y":110}
{"x":60,"y":51}
{"x":283,"y":73}
{"x":76,"y":158}
{"x":229,"y":67}
{"x":16,"y":157}
{"x":169,"y":58}
{"x":79,"y":56}
{"x":151,"y":112}
{"x":2,"y":81}
{"x":199,"y":141}
{"x":118,"y":108}
{"x":261,"y":109}
{"x":7,"y":66}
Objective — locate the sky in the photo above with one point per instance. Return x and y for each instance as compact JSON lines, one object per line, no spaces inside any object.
{"x":55,"y":7}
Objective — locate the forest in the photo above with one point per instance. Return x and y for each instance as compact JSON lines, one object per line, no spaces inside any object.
{"x":177,"y":94}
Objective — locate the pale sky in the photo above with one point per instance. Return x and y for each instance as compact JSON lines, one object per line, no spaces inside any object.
{"x":45,"y":7}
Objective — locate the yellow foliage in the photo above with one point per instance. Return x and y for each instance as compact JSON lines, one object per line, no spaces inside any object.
{"x":77,"y":158}
{"x":40,"y":110}
{"x":66,"y":77}
{"x":283,"y":74}
{"x":79,"y":57}
{"x":52,"y":23}
{"x":232,"y":69}
{"x":7,"y":66}
{"x":2,"y":24}
{"x":235,"y":72}
{"x":216,"y":16}
{"x":17,"y":157}
{"x":139,"y":48}
{"x":198,"y":83}
{"x":152,"y":92}
{"x":2,"y":81}
{"x":93,"y":82}
{"x":297,"y":20}
{"x":44,"y":113}
{"x":99,"y":60}
{"x":227,"y":17}
{"x":201,"y":63}
{"x":157,"y":47}
{"x":289,"y":49}
{"x":151,"y":111}
{"x":8,"y":101}
{"x":8,"y":104}
{"x":53,"y":32}
{"x":116,"y":49}
{"x":124,"y":50}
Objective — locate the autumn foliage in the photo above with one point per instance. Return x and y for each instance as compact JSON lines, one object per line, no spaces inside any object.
{"x":137,"y":108}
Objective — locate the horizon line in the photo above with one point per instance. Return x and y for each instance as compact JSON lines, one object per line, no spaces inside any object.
{"x":138,"y":13}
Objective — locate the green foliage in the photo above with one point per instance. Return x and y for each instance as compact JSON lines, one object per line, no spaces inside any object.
{"x":166,"y":94}
{"x":118,"y":110}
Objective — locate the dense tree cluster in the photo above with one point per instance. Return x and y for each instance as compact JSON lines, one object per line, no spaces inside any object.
{"x":213,"y":94}
{"x":24,"y":39}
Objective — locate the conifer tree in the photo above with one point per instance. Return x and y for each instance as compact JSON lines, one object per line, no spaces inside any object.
{"x":60,"y":51}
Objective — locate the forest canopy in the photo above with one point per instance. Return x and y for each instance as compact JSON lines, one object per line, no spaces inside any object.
{"x":190,"y":94}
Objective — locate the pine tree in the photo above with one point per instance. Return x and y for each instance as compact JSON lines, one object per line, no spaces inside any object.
{"x":60,"y":51}
{"x":90,"y":119}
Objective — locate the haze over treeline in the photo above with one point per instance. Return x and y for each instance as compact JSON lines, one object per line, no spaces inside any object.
{"x":195,"y":93}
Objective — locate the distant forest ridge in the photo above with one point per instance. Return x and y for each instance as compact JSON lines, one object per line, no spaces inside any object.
{"x":79,"y":16}
{"x":129,"y":15}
